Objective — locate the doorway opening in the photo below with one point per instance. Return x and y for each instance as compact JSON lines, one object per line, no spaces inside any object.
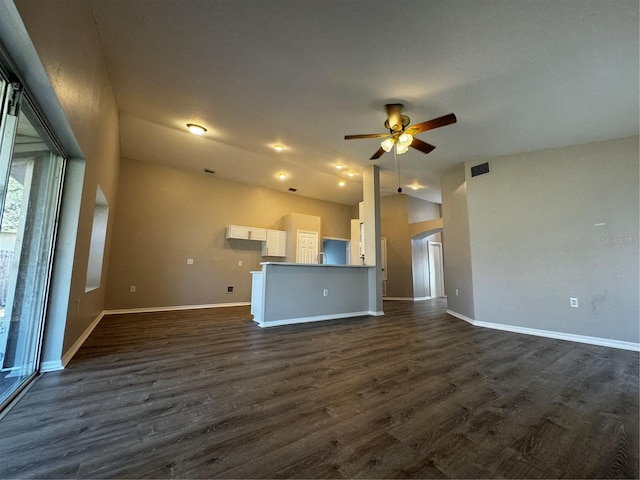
{"x":428,"y":265}
{"x":336,"y":251}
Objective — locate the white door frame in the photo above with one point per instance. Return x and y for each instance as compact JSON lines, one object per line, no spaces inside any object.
{"x":436,"y":270}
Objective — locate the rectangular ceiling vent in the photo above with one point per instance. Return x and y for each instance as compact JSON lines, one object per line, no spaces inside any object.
{"x":481,"y":169}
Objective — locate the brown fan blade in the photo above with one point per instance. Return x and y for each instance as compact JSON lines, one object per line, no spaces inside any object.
{"x":378,"y":154}
{"x":367,"y":135}
{"x":431,"y":124}
{"x":424,"y":147}
{"x":394,"y":114}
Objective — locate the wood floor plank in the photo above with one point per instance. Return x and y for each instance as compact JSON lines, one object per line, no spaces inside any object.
{"x":414,"y":394}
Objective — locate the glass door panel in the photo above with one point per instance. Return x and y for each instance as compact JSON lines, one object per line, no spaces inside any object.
{"x":30,"y":185}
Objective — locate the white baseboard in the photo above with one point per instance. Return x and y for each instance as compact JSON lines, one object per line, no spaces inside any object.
{"x":51,"y":366}
{"x":461,"y":317}
{"x":407,"y":299}
{"x":318,"y":318}
{"x":173,"y":307}
{"x":571,"y":337}
{"x":66,"y":358}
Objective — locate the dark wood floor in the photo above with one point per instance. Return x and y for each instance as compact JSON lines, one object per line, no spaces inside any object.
{"x":414,"y":394}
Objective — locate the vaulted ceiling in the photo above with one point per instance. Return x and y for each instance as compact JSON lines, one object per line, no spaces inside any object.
{"x":519,"y":75}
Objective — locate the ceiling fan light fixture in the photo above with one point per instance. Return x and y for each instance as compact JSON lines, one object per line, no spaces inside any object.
{"x":405,"y":139}
{"x":400,"y":149}
{"x":196,"y":129}
{"x":387,"y":144}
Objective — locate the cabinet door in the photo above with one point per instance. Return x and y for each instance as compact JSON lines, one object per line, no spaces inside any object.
{"x":246,"y":233}
{"x":276,"y":244}
{"x":236,"y":231}
{"x":259,"y":234}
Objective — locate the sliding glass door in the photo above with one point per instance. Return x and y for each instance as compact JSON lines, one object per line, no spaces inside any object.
{"x":30,"y":184}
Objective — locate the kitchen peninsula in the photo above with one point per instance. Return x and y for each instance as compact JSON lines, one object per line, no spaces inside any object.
{"x":286,"y":293}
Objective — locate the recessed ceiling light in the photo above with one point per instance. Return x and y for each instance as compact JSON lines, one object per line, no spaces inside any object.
{"x":282,"y":176}
{"x":278,"y":147}
{"x":339,"y":166}
{"x":196,"y":129}
{"x":350,"y":174}
{"x":342,"y":183}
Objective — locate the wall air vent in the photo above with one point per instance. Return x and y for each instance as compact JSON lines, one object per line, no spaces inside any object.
{"x":293,"y":189}
{"x":481,"y":169}
{"x":209,"y":171}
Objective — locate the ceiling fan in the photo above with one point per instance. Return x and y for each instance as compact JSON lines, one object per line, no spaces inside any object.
{"x":401,"y":134}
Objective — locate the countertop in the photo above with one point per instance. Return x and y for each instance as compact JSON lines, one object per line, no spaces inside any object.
{"x":287,"y":264}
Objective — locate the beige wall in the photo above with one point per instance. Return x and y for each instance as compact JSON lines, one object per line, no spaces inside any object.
{"x":166,"y":216}
{"x":458,"y":279}
{"x":422,"y":210}
{"x":545,"y":226}
{"x":66,"y":40}
{"x":553,"y":224}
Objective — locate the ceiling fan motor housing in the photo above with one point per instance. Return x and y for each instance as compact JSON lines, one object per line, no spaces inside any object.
{"x":398,"y":128}
{"x":396,"y":122}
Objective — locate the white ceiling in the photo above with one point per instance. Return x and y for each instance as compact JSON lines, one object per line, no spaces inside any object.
{"x":520,"y":75}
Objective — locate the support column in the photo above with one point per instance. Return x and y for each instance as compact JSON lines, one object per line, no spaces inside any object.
{"x":371,"y":240}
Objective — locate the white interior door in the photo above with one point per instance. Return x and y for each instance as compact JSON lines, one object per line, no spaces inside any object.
{"x":307,"y":247}
{"x":436,"y":270}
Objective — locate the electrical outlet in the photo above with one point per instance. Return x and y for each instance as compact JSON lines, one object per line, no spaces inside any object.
{"x":229,"y":288}
{"x":456,"y":292}
{"x":325,"y":292}
{"x":189,"y":261}
{"x":573,"y":302}
{"x":132,"y":289}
